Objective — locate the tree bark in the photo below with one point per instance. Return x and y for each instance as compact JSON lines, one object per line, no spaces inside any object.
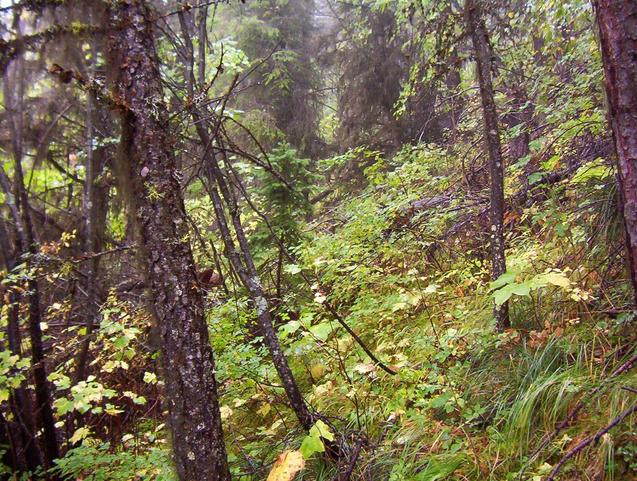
{"x":484,"y":59}
{"x":157,"y":206}
{"x":617,"y":20}
{"x":94,"y":207}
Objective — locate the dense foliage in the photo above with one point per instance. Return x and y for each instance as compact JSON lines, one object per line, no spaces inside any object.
{"x":332,"y":164}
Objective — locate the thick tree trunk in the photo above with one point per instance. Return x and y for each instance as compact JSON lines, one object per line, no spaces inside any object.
{"x":617,"y":21}
{"x":158,"y":209}
{"x":483,"y":56}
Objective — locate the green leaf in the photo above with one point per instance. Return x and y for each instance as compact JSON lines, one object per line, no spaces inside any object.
{"x":321,"y":331}
{"x":504,"y":294}
{"x":438,"y":469}
{"x":522,"y":161}
{"x":292,"y":269}
{"x":121,"y":342}
{"x":80,"y":434}
{"x":320,"y":429}
{"x":311,"y":445}
{"x":535,"y":177}
{"x":440,"y":401}
{"x":63,"y":406}
{"x":290,"y":327}
{"x":507,"y":278}
{"x":596,"y":170}
{"x":522,"y":289}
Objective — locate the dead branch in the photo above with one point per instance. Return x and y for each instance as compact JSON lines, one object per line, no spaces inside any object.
{"x":591,"y":440}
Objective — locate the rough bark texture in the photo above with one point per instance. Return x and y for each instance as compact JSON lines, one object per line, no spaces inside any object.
{"x":617,"y":21}
{"x":484,"y":58}
{"x":160,"y":217}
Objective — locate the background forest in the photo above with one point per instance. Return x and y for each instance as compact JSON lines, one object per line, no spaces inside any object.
{"x":318,"y":239}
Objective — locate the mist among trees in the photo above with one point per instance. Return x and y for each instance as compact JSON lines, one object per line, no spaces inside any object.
{"x":322,"y":240}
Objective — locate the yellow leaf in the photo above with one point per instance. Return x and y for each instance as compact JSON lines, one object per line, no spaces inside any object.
{"x":323,"y":389}
{"x":264,"y":409}
{"x":287,"y":465}
{"x":226,"y":412}
{"x":318,"y":371}
{"x":79,"y":434}
{"x":275,"y":427}
{"x":344,"y":344}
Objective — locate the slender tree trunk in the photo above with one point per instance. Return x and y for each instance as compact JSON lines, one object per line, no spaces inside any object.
{"x":158,"y":209}
{"x":483,"y":56}
{"x":24,"y":226}
{"x":26,"y":445}
{"x":10,"y":457}
{"x":94,"y":204}
{"x":617,"y":20}
{"x":250,"y":279}
{"x":244,"y":267}
{"x":242,"y":263}
{"x":94,"y":225}
{"x":44,"y":411}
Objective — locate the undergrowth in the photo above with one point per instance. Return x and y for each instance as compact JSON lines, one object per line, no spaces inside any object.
{"x":465,"y":403}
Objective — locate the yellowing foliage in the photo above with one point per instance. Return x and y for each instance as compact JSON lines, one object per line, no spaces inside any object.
{"x":287,"y":465}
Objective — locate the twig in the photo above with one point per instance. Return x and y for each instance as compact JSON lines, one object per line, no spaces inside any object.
{"x":350,"y":469}
{"x":575,"y":412}
{"x":94,"y":255}
{"x":590,"y":440}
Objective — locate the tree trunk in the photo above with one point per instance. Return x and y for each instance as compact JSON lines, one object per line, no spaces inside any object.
{"x":617,"y":20}
{"x":158,"y":209}
{"x":484,"y":57}
{"x":242,"y":263}
{"x":249,"y":276}
{"x":14,"y":94}
{"x":26,"y":449}
{"x":94,"y":207}
{"x":44,"y":410}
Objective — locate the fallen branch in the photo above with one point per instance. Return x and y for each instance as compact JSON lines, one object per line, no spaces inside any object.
{"x":347,"y":474}
{"x":570,"y":418}
{"x":405,"y":215}
{"x":591,"y":440}
{"x":518,"y":199}
{"x":358,"y":340}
